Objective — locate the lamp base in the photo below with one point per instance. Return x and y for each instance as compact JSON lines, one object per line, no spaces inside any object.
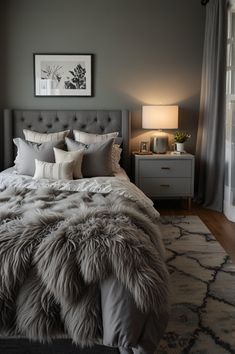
{"x":160,"y":144}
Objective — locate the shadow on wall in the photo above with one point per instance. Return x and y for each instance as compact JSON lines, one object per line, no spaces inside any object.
{"x":3,"y":42}
{"x":1,"y":140}
{"x":188,"y":121}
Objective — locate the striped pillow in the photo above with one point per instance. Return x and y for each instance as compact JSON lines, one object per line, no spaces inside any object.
{"x":76,"y":156}
{"x":39,"y":138}
{"x":88,"y":138}
{"x":62,"y":170}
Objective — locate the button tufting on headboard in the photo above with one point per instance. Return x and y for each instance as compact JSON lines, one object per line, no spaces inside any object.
{"x":91,"y":121}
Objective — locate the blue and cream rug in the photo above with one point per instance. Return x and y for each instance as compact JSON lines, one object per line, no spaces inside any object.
{"x":202,"y":290}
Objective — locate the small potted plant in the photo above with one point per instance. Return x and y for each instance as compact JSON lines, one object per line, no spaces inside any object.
{"x":180,"y":138}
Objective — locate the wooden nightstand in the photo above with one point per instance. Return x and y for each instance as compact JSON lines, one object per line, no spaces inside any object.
{"x":165,"y":176}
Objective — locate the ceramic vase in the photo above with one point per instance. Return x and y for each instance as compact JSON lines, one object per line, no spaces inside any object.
{"x":180,"y":147}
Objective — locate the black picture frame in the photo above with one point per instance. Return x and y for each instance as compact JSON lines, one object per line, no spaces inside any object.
{"x":63,"y":75}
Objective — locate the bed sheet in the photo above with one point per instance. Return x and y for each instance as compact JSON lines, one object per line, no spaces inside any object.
{"x":119,"y":184}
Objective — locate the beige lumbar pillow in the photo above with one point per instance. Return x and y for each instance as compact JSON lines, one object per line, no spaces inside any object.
{"x":63,"y":170}
{"x":39,"y":138}
{"x":88,"y":138}
{"x":75,"y":156}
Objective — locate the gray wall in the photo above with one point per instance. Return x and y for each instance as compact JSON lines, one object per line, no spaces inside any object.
{"x":2,"y":73}
{"x":146,"y":52}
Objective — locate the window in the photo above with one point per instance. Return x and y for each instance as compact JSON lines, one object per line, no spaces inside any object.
{"x":229,"y":198}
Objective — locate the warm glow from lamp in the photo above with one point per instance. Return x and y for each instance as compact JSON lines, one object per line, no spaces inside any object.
{"x":160,"y":117}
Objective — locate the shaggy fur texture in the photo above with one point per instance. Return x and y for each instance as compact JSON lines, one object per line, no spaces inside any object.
{"x":56,"y":248}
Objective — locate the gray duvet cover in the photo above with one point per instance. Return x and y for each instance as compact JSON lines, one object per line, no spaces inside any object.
{"x":85,"y":265}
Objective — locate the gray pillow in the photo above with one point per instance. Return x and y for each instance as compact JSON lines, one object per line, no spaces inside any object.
{"x":27,"y":152}
{"x":97,"y":158}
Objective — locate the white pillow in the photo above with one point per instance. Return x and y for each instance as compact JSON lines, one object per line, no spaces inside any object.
{"x":36,"y":137}
{"x":116,"y":157}
{"x":63,"y":170}
{"x":76,"y":156}
{"x":87,"y":138}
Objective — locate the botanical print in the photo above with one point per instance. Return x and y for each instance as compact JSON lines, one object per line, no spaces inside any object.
{"x":78,"y":80}
{"x":51,"y":72}
{"x":62,"y":77}
{"x":58,"y":75}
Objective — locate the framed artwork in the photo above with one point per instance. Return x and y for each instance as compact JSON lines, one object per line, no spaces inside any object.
{"x":63,"y":75}
{"x":144,"y":146}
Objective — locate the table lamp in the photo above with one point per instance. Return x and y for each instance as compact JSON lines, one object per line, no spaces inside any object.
{"x":160,"y":117}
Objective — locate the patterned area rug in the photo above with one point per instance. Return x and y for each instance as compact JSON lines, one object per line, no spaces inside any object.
{"x":202,"y":290}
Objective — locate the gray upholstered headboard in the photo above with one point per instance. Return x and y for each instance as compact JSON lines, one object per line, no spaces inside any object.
{"x":90,"y":121}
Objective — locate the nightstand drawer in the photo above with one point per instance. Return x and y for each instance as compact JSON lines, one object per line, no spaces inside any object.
{"x":165,"y":168}
{"x":166,"y":187}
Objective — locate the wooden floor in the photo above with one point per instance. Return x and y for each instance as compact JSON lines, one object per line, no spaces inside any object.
{"x":217,"y":223}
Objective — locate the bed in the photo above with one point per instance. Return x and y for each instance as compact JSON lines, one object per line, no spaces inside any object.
{"x":113,"y":296}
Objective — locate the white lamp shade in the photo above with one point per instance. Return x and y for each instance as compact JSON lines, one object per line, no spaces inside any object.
{"x":160,"y":117}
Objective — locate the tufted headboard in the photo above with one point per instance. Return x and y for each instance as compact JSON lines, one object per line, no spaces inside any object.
{"x":49,"y":121}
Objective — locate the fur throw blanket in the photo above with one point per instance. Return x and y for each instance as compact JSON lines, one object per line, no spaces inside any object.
{"x":56,"y":248}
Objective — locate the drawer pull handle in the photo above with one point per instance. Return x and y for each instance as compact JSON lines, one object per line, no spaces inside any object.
{"x":165,"y":168}
{"x":164,"y":185}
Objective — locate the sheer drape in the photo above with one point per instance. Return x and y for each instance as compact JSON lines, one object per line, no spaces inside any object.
{"x":210,"y":148}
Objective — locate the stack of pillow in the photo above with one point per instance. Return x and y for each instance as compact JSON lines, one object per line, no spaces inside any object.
{"x":89,"y":155}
